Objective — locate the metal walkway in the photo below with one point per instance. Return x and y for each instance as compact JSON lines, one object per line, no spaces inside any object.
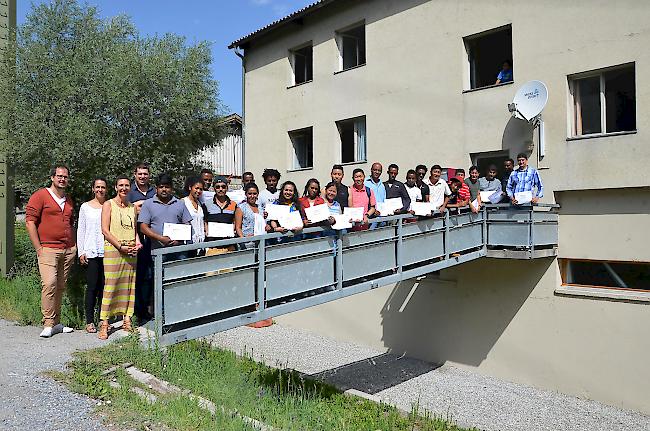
{"x":199,"y":296}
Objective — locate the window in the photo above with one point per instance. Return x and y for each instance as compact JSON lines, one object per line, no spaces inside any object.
{"x":302,"y":142}
{"x":486,"y":54}
{"x":606,"y":274}
{"x":603,"y":101}
{"x":302,"y":63}
{"x":352,"y":47}
{"x":353,"y":139}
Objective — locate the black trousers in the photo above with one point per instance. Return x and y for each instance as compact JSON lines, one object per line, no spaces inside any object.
{"x":95,"y":287}
{"x":143,"y":283}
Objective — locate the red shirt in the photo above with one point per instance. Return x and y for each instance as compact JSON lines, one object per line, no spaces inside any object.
{"x":463,"y":192}
{"x":360,"y":198}
{"x":54,"y":226}
{"x":304,"y":201}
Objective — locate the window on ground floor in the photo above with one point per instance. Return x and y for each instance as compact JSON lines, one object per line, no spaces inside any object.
{"x":487,"y":55}
{"x":302,"y":144}
{"x":353,"y":139}
{"x":603,"y":101}
{"x":606,"y":274}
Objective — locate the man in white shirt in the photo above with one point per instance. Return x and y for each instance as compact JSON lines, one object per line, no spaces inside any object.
{"x":438,"y":188}
{"x":271,"y":192}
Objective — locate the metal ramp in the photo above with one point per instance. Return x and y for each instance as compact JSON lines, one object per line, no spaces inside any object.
{"x":265,"y":278}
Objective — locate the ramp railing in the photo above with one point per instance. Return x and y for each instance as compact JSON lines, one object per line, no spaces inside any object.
{"x":270,"y":275}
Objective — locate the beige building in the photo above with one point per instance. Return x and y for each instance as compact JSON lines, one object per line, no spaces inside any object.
{"x":410,"y":82}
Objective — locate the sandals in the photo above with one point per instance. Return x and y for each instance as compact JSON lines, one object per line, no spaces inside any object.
{"x":103,"y":330}
{"x":126,"y":324}
{"x":90,"y":328}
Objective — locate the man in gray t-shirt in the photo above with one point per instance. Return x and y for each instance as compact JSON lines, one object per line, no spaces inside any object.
{"x":271,"y":193}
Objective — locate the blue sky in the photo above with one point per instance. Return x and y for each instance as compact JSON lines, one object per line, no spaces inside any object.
{"x":217,"y":21}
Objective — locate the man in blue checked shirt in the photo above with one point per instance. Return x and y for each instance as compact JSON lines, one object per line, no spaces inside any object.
{"x":524,"y":179}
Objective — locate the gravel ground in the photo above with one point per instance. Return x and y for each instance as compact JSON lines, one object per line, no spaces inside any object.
{"x":466,"y":397}
{"x":30,"y":401}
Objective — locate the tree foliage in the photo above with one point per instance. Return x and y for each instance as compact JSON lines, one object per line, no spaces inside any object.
{"x":97,"y":96}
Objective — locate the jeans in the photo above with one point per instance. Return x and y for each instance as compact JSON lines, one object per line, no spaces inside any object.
{"x":95,"y":286}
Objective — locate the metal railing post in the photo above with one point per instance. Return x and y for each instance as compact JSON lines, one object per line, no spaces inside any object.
{"x":399,"y":246}
{"x":338,"y":260}
{"x":158,"y":296}
{"x":261,"y":274}
{"x":531,"y":239}
{"x":446,"y":238}
{"x":485,"y":229}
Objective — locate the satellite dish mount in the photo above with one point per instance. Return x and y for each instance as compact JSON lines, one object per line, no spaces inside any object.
{"x":528,"y":104}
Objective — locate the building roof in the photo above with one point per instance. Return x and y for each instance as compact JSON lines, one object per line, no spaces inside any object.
{"x":292,"y":17}
{"x":230,"y":119}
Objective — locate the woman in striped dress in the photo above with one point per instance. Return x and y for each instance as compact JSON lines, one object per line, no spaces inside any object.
{"x":120,"y":256}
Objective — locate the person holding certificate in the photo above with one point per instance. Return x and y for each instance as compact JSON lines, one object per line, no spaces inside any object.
{"x":194,"y":189}
{"x":249,"y":221}
{"x":165,"y":219}
{"x":361,"y":197}
{"x":219,"y":213}
{"x":315,"y":215}
{"x":121,"y":247}
{"x":294,"y":221}
{"x":522,"y":183}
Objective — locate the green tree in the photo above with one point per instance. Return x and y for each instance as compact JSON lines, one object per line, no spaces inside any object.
{"x":97,"y":96}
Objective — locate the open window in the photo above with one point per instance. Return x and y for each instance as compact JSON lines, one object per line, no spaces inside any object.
{"x":604,"y":101}
{"x":302,"y":144}
{"x":353,"y":139}
{"x":487,"y":53}
{"x":606,"y":274}
{"x":352,"y":46}
{"x":302,"y":64}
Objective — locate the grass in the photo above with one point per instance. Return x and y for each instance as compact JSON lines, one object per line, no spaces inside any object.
{"x":20,"y":294}
{"x":278,"y":398}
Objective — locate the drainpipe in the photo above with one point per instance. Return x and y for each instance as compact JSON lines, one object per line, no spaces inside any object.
{"x":243,"y":109}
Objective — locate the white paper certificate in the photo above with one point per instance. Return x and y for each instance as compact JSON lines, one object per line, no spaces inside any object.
{"x":342,"y":222}
{"x":276,"y":211}
{"x":317,"y":213}
{"x":524,"y":197}
{"x":422,"y":208}
{"x":354,"y":213}
{"x":236,"y":195}
{"x":291,"y":220}
{"x":389,"y":206}
{"x":485,"y":195}
{"x":221,"y":230}
{"x":177,"y":232}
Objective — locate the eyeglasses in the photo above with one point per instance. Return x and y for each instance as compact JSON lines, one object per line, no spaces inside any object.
{"x":61,"y":177}
{"x":223,"y":186}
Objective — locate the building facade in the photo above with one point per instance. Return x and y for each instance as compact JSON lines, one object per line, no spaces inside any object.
{"x":412,"y":82}
{"x":225,"y":158}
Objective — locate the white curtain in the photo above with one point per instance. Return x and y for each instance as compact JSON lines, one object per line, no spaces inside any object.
{"x":360,"y":136}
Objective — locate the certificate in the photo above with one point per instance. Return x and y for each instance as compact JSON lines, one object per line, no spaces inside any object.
{"x":276,"y":211}
{"x":523,"y":197}
{"x":342,"y":222}
{"x":236,"y":195}
{"x":389,"y":206}
{"x":291,"y":220}
{"x":317,"y":213}
{"x":221,"y":230}
{"x":422,"y":208}
{"x":475,"y":203}
{"x":485,"y":195}
{"x":177,"y":232}
{"x":354,"y":213}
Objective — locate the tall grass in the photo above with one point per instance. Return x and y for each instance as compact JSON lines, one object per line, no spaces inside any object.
{"x":20,"y":293}
{"x":278,"y":398}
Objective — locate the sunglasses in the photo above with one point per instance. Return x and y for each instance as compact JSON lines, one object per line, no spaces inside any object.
{"x":223,"y":186}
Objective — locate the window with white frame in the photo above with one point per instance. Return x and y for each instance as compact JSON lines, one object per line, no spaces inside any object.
{"x":352,"y":46}
{"x":353,"y":139}
{"x":605,"y":274}
{"x":604,"y":101}
{"x":302,"y":64}
{"x":302,"y":144}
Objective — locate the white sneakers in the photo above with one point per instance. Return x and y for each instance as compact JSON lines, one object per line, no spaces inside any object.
{"x":48,"y":331}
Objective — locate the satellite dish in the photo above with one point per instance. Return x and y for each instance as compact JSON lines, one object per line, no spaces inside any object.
{"x":528,"y":104}
{"x":530,"y":100}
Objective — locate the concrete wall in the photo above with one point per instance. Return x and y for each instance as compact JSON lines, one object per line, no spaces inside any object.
{"x":500,"y":317}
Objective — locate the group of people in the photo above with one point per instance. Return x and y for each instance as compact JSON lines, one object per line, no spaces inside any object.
{"x":115,"y":236}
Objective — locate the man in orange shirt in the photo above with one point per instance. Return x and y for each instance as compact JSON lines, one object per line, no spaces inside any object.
{"x":49,"y":222}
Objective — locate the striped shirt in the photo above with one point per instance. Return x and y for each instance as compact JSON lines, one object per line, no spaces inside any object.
{"x":524,"y":181}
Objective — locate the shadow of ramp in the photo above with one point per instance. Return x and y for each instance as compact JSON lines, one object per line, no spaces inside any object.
{"x":375,"y":374}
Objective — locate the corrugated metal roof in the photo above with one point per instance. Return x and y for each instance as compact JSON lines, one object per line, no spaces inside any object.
{"x":280,"y":22}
